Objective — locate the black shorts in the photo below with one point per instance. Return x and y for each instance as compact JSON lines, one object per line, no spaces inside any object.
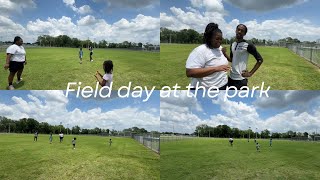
{"x":16,"y":66}
{"x":237,"y":83}
{"x":91,"y":53}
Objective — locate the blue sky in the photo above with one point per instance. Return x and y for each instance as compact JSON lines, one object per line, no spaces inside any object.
{"x":281,"y":111}
{"x":269,"y":19}
{"x":112,"y":20}
{"x":53,"y":107}
{"x":100,"y":10}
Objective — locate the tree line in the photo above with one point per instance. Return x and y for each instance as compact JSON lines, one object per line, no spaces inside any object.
{"x":30,"y":125}
{"x":190,"y":36}
{"x":224,"y":131}
{"x":66,"y":41}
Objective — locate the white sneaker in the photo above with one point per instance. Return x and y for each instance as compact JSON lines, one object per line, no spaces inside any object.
{"x":11,"y":87}
{"x":19,"y":81}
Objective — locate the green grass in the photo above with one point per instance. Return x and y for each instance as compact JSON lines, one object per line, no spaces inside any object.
{"x":281,"y":69}
{"x":206,"y":158}
{"x":21,"y":158}
{"x":53,"y":68}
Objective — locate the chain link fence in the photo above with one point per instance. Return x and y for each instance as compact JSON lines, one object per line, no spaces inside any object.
{"x":310,"y":53}
{"x":150,"y":141}
{"x":175,"y":138}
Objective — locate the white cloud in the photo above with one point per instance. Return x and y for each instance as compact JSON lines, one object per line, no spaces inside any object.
{"x":8,"y":7}
{"x":69,"y":2}
{"x":211,"y":6}
{"x":85,"y":9}
{"x":264,"y":5}
{"x":129,"y":3}
{"x":273,"y":29}
{"x":140,"y":29}
{"x":87,"y":20}
{"x":51,"y":107}
{"x":284,"y":99}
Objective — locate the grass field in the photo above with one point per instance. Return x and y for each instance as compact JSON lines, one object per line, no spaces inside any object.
{"x":21,"y":158}
{"x":206,"y":158}
{"x":53,"y":68}
{"x":281,"y":69}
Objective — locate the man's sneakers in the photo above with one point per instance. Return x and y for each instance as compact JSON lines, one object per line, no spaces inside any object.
{"x":10,"y":87}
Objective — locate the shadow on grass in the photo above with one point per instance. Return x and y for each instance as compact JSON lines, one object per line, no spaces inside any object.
{"x":17,"y":86}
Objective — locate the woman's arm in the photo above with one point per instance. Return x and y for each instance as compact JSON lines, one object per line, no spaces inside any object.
{"x":6,"y":66}
{"x":203,"y":72}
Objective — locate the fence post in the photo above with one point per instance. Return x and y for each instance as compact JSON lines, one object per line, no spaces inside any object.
{"x":311,"y":54}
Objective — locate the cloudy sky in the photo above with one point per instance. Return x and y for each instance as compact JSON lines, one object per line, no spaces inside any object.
{"x":265,"y":19}
{"x":281,"y":112}
{"x":112,"y":20}
{"x":53,"y":107}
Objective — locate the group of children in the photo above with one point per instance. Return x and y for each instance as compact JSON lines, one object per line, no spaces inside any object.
{"x":107,"y":78}
{"x":61,"y":139}
{"x":81,"y":54}
{"x":255,"y":141}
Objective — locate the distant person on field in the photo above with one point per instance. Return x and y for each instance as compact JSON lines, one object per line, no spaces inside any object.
{"x":207,"y":64}
{"x":231,"y":141}
{"x":15,"y":61}
{"x":61,"y":137}
{"x":107,"y":78}
{"x":258,"y":147}
{"x":91,"y":53}
{"x":74,"y":143}
{"x":110,"y":142}
{"x":80,"y":55}
{"x":270,"y":144}
{"x":35,"y":136}
{"x":50,"y":138}
{"x":239,"y":55}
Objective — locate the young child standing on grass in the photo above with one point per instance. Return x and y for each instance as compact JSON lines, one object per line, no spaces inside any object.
{"x":91,"y":53}
{"x":74,"y":143}
{"x":107,"y":78}
{"x":35,"y":136}
{"x":81,"y":55}
{"x":50,"y":138}
{"x":110,"y":142}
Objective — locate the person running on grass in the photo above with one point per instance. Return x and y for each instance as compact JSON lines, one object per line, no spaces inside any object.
{"x":207,"y":64}
{"x":239,"y":55}
{"x":110,"y":142}
{"x":50,"y":138}
{"x":91,"y":53}
{"x":35,"y":136}
{"x":61,"y":137}
{"x":80,"y":55}
{"x":107,"y":78}
{"x":231,"y":142}
{"x":270,"y":143}
{"x":258,"y":147}
{"x":74,"y":143}
{"x":15,"y":61}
